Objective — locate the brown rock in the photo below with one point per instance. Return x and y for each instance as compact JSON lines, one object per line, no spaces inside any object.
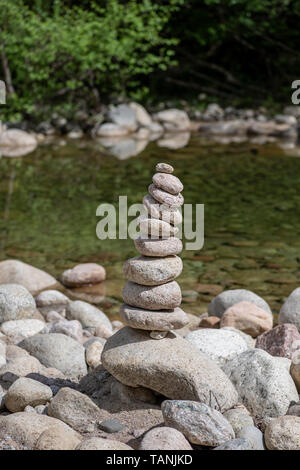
{"x":169,"y":183}
{"x":247,"y":317}
{"x":82,"y":274}
{"x":165,"y":198}
{"x":210,"y":322}
{"x":163,"y":247}
{"x":295,"y":369}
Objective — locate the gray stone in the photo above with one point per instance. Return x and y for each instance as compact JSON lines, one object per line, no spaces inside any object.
{"x":219,"y":345}
{"x":290,"y":311}
{"x":141,"y":115}
{"x":164,"y":438}
{"x":111,"y":425}
{"x":25,"y":391}
{"x":152,"y":271}
{"x":161,"y":211}
{"x":51,"y":300}
{"x":173,"y":119}
{"x":72,"y":328}
{"x":163,"y":247}
{"x":161,"y":320}
{"x":59,"y":351}
{"x":166,"y":198}
{"x":263,"y":383}
{"x":249,"y":340}
{"x":111,"y":130}
{"x":238,"y":419}
{"x":164,"y":297}
{"x":172,"y":367}
{"x":15,"y":302}
{"x":22,"y":328}
{"x":164,"y":168}
{"x":156,"y":228}
{"x":231,"y":297}
{"x":199,"y":423}
{"x":235,"y":444}
{"x":283,"y":433}
{"x":75,"y":409}
{"x":123,"y":115}
{"x":33,"y":279}
{"x":169,"y":183}
{"x":88,"y":315}
{"x":254,"y":436}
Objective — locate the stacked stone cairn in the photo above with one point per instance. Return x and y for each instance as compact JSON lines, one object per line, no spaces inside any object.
{"x":152,"y":296}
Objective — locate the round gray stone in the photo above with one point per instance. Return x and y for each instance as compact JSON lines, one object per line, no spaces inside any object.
{"x":235,"y":444}
{"x":161,"y":320}
{"x":290,"y":311}
{"x":164,"y":297}
{"x":15,"y":303}
{"x":163,"y":247}
{"x":164,"y":168}
{"x":88,"y":315}
{"x":166,"y":198}
{"x":152,"y":271}
{"x":161,"y":211}
{"x":169,"y":183}
{"x":230,"y":297}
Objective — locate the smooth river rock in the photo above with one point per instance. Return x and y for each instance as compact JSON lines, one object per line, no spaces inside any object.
{"x":247,"y":317}
{"x":83,"y":274}
{"x":219,"y":345}
{"x":161,"y":211}
{"x":164,"y":297}
{"x":161,"y":320}
{"x":263,"y":383}
{"x":156,"y":228}
{"x":152,"y":271}
{"x":169,"y":183}
{"x":88,"y":315}
{"x":164,"y":168}
{"x":164,"y":438}
{"x":290,"y":311}
{"x":231,"y":297}
{"x":171,"y":366}
{"x":22,"y":328}
{"x":199,"y":423}
{"x":58,"y":351}
{"x":159,"y":248}
{"x":25,"y":391}
{"x":33,"y":279}
{"x":15,"y":303}
{"x":283,"y":433}
{"x":166,"y":198}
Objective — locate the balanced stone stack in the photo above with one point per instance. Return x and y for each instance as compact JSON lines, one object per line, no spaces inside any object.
{"x":151,"y":293}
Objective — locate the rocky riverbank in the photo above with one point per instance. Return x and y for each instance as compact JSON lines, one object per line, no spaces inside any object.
{"x":125,"y":129}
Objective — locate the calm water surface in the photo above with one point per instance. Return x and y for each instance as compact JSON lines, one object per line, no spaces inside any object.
{"x":48,"y":202}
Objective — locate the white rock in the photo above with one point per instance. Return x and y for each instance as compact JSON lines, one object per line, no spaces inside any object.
{"x":25,"y":328}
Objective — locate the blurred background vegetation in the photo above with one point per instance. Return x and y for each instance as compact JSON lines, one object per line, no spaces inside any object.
{"x":71,"y":55}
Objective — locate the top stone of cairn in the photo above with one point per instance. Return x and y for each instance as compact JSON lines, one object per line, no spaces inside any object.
{"x":164,"y":168}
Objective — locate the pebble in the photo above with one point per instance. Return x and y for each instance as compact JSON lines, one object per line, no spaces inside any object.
{"x":228,"y":298}
{"x":199,"y":423}
{"x":164,"y":168}
{"x":164,"y":297}
{"x":172,"y":367}
{"x":83,"y":274}
{"x":25,"y":391}
{"x":164,"y":438}
{"x":289,"y":312}
{"x":152,"y":271}
{"x":166,"y":198}
{"x":22,"y":328}
{"x":15,"y":303}
{"x":283,"y":433}
{"x":254,"y":436}
{"x":93,"y":354}
{"x":283,"y":340}
{"x":103,"y":331}
{"x":247,"y":317}
{"x":235,"y":444}
{"x":111,"y":425}
{"x":162,"y":247}
{"x":263,"y":383}
{"x":169,"y":183}
{"x":161,"y":211}
{"x":238,"y":419}
{"x":210,"y":322}
{"x":70,"y":328}
{"x":58,"y":351}
{"x":156,"y":228}
{"x":219,"y":345}
{"x":153,"y":320}
{"x":158,"y":334}
{"x":88,"y":315}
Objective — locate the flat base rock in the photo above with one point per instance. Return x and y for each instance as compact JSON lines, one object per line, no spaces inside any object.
{"x":160,"y":320}
{"x":170,"y":366}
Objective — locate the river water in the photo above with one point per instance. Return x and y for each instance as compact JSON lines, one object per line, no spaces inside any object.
{"x":48,"y":202}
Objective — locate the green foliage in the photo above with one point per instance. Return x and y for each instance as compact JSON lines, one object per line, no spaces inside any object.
{"x":59,"y":54}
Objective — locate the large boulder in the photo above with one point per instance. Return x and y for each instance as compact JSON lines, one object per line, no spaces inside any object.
{"x":290,"y":311}
{"x":58,"y":351}
{"x":17,"y":138}
{"x":263,"y":383}
{"x":219,"y":345}
{"x":174,"y":120}
{"x":123,"y":115}
{"x":17,"y":272}
{"x":171,"y":366}
{"x":15,"y":303}
{"x":231,"y":297}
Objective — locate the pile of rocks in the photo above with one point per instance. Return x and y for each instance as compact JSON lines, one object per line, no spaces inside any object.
{"x":151,"y":293}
